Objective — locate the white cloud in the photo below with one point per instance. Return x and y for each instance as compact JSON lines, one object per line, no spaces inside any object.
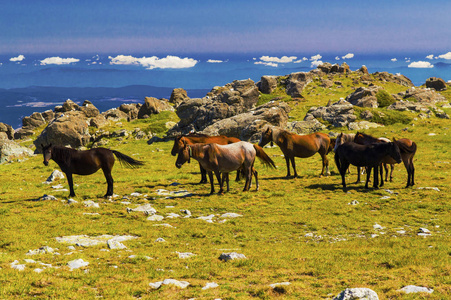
{"x":168,"y":62}
{"x":316,"y":57}
{"x":348,"y":56}
{"x":283,"y":59}
{"x":55,"y":60}
{"x":17,"y":58}
{"x":337,"y":58}
{"x":394,"y":59}
{"x":217,"y":61}
{"x":316,"y":63}
{"x":445,"y":56}
{"x":300,"y":60}
{"x":431,"y":56}
{"x":269,"y":64}
{"x":421,"y":65}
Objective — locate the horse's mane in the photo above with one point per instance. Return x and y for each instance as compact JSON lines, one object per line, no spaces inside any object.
{"x":279,"y":132}
{"x":367,"y":136}
{"x":62,"y":154}
{"x":195,"y":134}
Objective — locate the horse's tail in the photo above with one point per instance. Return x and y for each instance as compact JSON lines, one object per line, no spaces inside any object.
{"x":407,"y":149}
{"x":127,"y":160}
{"x":264,"y":157}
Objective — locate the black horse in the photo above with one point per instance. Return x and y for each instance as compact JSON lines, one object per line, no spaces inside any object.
{"x":364,"y":156}
{"x":86,"y":162}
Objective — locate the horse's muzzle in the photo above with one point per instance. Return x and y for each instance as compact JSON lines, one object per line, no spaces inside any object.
{"x":178,"y":165}
{"x":46,"y":163}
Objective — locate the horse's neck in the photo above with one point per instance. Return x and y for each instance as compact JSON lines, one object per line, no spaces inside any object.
{"x":276,"y":133}
{"x":197,"y":151}
{"x":61,"y":155}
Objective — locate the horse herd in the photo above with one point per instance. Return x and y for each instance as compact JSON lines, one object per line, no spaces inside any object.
{"x":220,"y":155}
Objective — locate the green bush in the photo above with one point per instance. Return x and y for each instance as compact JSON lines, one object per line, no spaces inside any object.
{"x":384,"y":99}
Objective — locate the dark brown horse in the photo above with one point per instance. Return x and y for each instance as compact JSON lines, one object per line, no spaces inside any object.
{"x":224,"y":159}
{"x":86,"y":162}
{"x":294,"y":145}
{"x":407,"y":148}
{"x":195,"y":138}
{"x":369,"y":156}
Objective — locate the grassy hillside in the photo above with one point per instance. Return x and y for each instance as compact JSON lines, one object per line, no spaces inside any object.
{"x":305,"y":231}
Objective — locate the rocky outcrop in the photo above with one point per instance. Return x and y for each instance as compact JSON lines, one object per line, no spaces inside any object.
{"x":306,"y":127}
{"x":131,"y":110}
{"x":178,"y":96}
{"x":364,"y":96}
{"x":435,"y":83}
{"x":153,"y":106}
{"x":338,"y":114}
{"x":248,"y":126}
{"x":395,"y":78}
{"x":6,"y":131}
{"x":296,"y":82}
{"x":68,"y":129}
{"x":10,"y":150}
{"x":267,"y":84}
{"x":328,"y":68}
{"x":429,"y":96}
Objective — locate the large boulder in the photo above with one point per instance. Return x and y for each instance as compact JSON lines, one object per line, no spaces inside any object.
{"x":338,"y":114}
{"x":395,"y":78}
{"x":11,"y":150}
{"x":115,"y":115}
{"x":69,"y":129}
{"x":89,"y":109}
{"x":131,"y":110}
{"x":267,"y":84}
{"x":306,"y":127}
{"x":426,"y":95}
{"x":178,"y":96}
{"x":364,"y":96}
{"x":153,"y":106}
{"x":296,"y":82}
{"x":248,"y":126}
{"x":33,"y":121}
{"x":7,"y":130}
{"x":435,"y":83}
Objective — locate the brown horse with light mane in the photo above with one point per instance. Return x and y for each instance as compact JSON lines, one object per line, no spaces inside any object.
{"x":195,"y":138}
{"x":294,"y":145}
{"x":224,"y":159}
{"x":407,"y":148}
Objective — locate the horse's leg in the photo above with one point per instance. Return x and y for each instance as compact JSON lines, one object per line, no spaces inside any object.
{"x":392,"y":168}
{"x":382,"y":167}
{"x":408,"y":163}
{"x":293,"y":163}
{"x":358,"y":175}
{"x":368,"y":174}
{"x":210,"y":175}
{"x":109,"y":181}
{"x":227,"y":179}
{"x":342,"y":170}
{"x":256,"y":178}
{"x":287,"y":159}
{"x":71,"y":184}
{"x":325,"y":164}
{"x":238,"y":175}
{"x":248,"y":172}
{"x":218,"y":176}
{"x":376,"y":176}
{"x":203,"y":175}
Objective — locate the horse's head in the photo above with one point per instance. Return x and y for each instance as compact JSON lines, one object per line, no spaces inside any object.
{"x":338,"y":141}
{"x":178,"y":144}
{"x":47,"y":151}
{"x":184,"y":154}
{"x":266,"y":137}
{"x":359,"y":138}
{"x":394,"y":151}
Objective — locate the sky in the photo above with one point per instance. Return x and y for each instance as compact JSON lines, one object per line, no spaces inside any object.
{"x":210,"y":26}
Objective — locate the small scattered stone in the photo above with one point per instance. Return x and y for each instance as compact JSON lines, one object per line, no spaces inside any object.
{"x":230,"y":215}
{"x":90,"y":203}
{"x":172,"y":216}
{"x":185,"y":255}
{"x":231,"y":256}
{"x":430,"y":188}
{"x":385,"y":197}
{"x":356,"y":294}
{"x":186,"y":212}
{"x":275,"y":285}
{"x":164,"y":225}
{"x":155,"y":218}
{"x":146,"y":208}
{"x":15,"y":265}
{"x":377,"y":226}
{"x":38,"y":270}
{"x":42,"y":250}
{"x":135,"y":194}
{"x":179,"y":284}
{"x":175,"y":184}
{"x":160,"y":240}
{"x":354,"y":202}
{"x":56,"y":174}
{"x":113,"y":244}
{"x":77,"y":263}
{"x":71,"y":201}
{"x":210,"y":285}
{"x":416,"y":289}
{"x":47,"y":197}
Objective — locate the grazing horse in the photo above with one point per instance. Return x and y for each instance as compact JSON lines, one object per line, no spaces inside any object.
{"x":86,"y":162}
{"x":224,"y":159}
{"x":369,"y":156}
{"x":294,"y":145}
{"x":195,"y":138}
{"x":407,"y":148}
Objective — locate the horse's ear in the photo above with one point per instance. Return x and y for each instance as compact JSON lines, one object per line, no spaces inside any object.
{"x":394,"y":140}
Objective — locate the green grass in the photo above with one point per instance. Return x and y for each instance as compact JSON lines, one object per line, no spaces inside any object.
{"x":301,"y":230}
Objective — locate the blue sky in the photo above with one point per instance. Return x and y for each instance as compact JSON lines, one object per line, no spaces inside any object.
{"x":132,"y":26}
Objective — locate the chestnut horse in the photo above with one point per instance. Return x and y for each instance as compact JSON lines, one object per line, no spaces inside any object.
{"x":224,"y":159}
{"x":86,"y":162}
{"x":369,"y":156}
{"x":195,"y":138}
{"x":407,"y":148}
{"x":294,"y":145}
